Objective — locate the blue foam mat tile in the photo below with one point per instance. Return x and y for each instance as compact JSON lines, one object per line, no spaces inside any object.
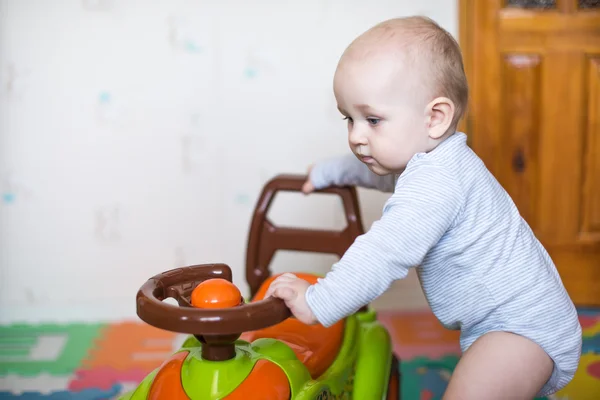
{"x":591,"y":345}
{"x":588,"y":311}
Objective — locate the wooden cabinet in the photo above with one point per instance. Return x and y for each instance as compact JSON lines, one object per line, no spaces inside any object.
{"x":534,"y":118}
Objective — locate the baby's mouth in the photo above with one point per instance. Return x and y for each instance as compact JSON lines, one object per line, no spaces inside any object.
{"x":367,"y":159}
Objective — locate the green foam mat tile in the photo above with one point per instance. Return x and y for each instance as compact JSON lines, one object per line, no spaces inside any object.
{"x":422,"y":373}
{"x":55,"y":349}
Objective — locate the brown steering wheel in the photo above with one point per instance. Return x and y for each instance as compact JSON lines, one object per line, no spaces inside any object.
{"x":217,"y":329}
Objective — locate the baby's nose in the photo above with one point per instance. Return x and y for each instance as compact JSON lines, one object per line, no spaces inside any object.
{"x":356,"y":137}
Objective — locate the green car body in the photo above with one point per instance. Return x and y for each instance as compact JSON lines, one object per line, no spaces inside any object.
{"x":361,"y":369}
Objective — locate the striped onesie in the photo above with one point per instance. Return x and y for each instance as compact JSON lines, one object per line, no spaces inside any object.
{"x":480,"y":265}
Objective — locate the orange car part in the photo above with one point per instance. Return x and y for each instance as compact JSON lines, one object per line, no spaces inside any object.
{"x":315,"y":346}
{"x":167,"y":382}
{"x":266,"y":382}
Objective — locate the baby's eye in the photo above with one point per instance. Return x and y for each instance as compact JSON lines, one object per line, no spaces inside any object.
{"x":373,"y":121}
{"x":347,"y":119}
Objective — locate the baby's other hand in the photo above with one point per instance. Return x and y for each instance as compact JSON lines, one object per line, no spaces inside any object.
{"x":292,"y":290}
{"x":308,"y":186}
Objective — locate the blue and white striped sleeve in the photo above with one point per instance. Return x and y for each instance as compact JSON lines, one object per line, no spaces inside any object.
{"x":348,"y":170}
{"x":427,"y":202}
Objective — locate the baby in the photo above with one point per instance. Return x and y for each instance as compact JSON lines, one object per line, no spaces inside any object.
{"x":402,"y":89}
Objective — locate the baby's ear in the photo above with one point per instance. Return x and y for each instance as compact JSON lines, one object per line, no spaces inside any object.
{"x":439,"y":115}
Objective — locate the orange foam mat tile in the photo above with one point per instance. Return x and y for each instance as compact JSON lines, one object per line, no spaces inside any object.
{"x":130,"y":346}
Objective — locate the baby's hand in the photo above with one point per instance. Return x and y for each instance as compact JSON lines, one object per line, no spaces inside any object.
{"x":308,"y":186}
{"x":292,"y":290}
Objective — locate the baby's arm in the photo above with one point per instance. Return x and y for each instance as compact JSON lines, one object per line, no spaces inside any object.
{"x":425,"y":205}
{"x":348,"y":170}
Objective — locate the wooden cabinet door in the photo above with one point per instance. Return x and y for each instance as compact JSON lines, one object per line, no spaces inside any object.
{"x":534,"y":118}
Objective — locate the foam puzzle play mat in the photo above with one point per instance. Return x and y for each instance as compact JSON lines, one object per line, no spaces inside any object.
{"x":103,"y":361}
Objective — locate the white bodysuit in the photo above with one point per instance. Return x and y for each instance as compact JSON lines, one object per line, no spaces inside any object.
{"x":481,"y":267}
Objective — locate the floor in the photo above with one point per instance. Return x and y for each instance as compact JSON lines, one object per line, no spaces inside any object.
{"x":429,"y":353}
{"x":99,"y":361}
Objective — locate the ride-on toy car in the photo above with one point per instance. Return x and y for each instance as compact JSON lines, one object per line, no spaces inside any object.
{"x":255,"y":349}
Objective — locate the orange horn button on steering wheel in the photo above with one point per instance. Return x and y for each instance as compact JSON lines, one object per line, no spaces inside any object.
{"x":216,"y":293}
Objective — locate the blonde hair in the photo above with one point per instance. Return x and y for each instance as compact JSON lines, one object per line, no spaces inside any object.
{"x":434,"y":51}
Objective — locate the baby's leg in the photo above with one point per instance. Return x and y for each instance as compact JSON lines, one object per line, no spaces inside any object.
{"x":500,"y":365}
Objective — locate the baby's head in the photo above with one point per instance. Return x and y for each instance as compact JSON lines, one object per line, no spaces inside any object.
{"x":403,"y":89}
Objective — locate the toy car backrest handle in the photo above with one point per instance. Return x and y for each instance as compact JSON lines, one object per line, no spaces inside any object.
{"x":265,"y":238}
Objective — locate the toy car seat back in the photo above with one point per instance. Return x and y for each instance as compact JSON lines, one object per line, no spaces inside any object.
{"x":265,"y":238}
{"x":314,"y":345}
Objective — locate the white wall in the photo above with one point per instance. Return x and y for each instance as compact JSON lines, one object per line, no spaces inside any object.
{"x":135,"y":136}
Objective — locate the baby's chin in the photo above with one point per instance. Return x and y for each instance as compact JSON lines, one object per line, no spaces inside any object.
{"x":378,"y":169}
